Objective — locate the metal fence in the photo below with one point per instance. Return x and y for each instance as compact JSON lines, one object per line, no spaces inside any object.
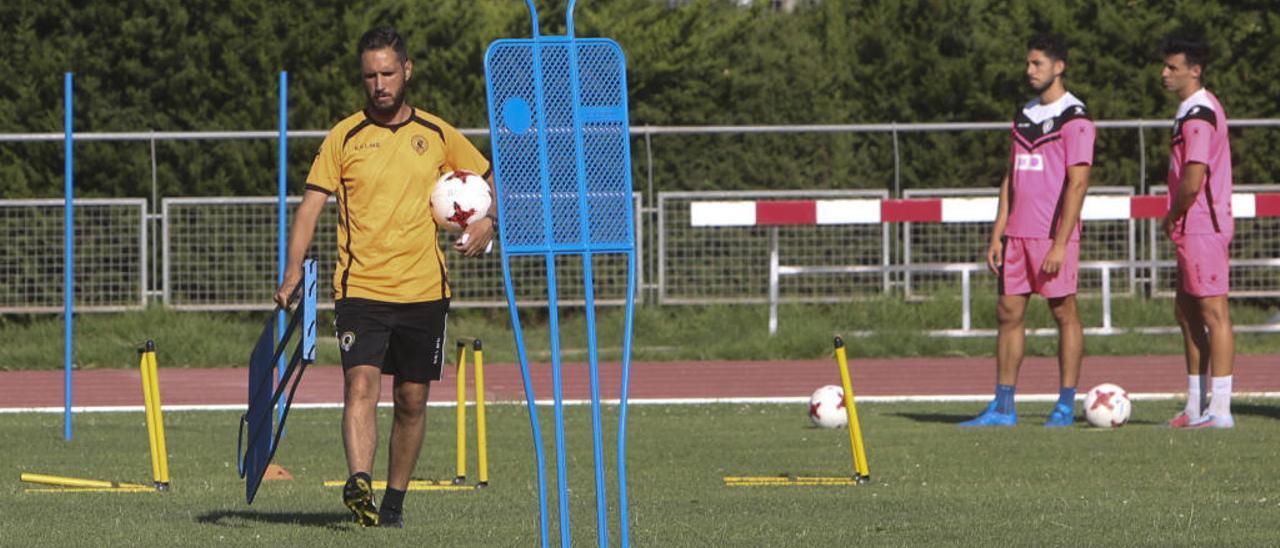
{"x":1256,"y":240}
{"x":952,"y":242}
{"x":698,"y":265}
{"x":110,"y":257}
{"x":220,"y":254}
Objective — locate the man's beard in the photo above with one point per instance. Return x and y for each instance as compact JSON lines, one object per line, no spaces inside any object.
{"x":1041,"y":89}
{"x":397,"y":101}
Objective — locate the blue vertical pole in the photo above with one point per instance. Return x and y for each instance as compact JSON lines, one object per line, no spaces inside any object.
{"x":68,"y":256}
{"x":282,"y":219}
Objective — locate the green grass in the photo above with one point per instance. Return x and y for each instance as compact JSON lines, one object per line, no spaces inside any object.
{"x":933,"y":483}
{"x":201,"y":339}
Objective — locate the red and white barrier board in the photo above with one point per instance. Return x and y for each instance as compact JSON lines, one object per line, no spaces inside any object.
{"x":939,"y":210}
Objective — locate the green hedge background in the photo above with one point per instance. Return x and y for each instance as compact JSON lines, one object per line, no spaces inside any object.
{"x":198,"y":65}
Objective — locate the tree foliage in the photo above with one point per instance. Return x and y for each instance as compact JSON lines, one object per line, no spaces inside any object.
{"x":202,"y":65}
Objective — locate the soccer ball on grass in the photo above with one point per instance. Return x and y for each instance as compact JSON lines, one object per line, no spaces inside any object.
{"x":826,"y":407}
{"x":1107,"y":406}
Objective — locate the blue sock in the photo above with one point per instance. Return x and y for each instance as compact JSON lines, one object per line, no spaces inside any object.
{"x":1067,"y":397}
{"x":1004,"y":398}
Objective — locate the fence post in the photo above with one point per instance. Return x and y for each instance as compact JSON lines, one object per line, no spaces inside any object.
{"x":1106,"y":297}
{"x":773,"y":280}
{"x":897,"y":160}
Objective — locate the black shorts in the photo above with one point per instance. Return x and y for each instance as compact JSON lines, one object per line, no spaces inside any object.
{"x":402,"y":339}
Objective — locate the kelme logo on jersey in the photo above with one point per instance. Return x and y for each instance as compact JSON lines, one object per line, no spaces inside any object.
{"x":1029,"y":162}
{"x":347,"y":339}
{"x":419,"y":144}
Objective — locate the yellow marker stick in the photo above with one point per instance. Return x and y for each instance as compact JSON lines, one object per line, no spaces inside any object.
{"x":482,"y":436}
{"x":860,"y":469}
{"x":157,"y":411}
{"x":414,"y":485}
{"x":462,"y":413}
{"x":137,"y":489}
{"x":64,"y":481}
{"x":144,"y":368}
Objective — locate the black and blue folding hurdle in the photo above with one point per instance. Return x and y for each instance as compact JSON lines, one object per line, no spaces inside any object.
{"x":562,"y":161}
{"x":255,"y":451}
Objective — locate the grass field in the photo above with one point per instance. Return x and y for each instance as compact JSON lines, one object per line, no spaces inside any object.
{"x":195,"y":339}
{"x":933,"y":483}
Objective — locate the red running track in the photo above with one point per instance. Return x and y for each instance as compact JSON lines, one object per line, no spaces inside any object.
{"x":651,"y":380}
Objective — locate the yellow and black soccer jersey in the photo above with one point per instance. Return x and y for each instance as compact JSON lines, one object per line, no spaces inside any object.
{"x":383,"y":176}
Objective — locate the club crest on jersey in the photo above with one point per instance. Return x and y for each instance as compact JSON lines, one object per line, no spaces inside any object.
{"x":419,"y":144}
{"x":1029,"y":162}
{"x":347,"y":339}
{"x":1047,"y":126}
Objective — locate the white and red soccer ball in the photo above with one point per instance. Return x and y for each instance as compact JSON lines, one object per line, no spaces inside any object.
{"x":460,"y":198}
{"x":826,"y":407}
{"x":1107,"y":406}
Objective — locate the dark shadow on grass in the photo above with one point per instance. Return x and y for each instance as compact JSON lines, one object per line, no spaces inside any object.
{"x":1255,"y":410}
{"x":336,"y":521}
{"x":944,"y":418}
{"x":1023,"y":420}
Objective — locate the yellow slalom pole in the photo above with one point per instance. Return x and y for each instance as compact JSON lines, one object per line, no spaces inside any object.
{"x":482,"y":437}
{"x":414,"y":485}
{"x":63,"y":481}
{"x":462,"y":414}
{"x":149,"y":407}
{"x":122,"y":489}
{"x":861,"y":473}
{"x":157,"y":411}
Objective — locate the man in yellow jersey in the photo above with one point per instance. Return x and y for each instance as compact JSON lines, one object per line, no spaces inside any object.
{"x":391,"y":287}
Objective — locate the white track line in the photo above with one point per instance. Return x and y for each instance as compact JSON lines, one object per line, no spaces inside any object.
{"x":634,"y":401}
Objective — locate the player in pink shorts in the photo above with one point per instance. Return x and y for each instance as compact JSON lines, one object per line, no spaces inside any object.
{"x":1035,"y":242}
{"x":1200,"y":224}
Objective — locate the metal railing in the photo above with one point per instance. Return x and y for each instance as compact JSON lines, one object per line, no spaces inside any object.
{"x":967,"y":270}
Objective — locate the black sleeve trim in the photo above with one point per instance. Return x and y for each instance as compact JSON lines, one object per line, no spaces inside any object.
{"x":318,"y":188}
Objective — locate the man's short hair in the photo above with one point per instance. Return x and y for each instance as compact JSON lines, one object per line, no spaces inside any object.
{"x":1054,"y":46}
{"x":383,"y":37}
{"x":1194,"y":49}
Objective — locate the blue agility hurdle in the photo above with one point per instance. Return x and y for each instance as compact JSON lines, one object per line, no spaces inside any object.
{"x":562,"y":163}
{"x":255,"y":450}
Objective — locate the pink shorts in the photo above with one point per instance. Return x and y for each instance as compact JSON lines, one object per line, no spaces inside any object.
{"x":1020,"y":274}
{"x":1204,"y":263}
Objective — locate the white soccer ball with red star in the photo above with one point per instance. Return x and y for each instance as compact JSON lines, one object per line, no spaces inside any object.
{"x":1107,"y":406}
{"x":826,"y":407}
{"x":459,"y":199}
